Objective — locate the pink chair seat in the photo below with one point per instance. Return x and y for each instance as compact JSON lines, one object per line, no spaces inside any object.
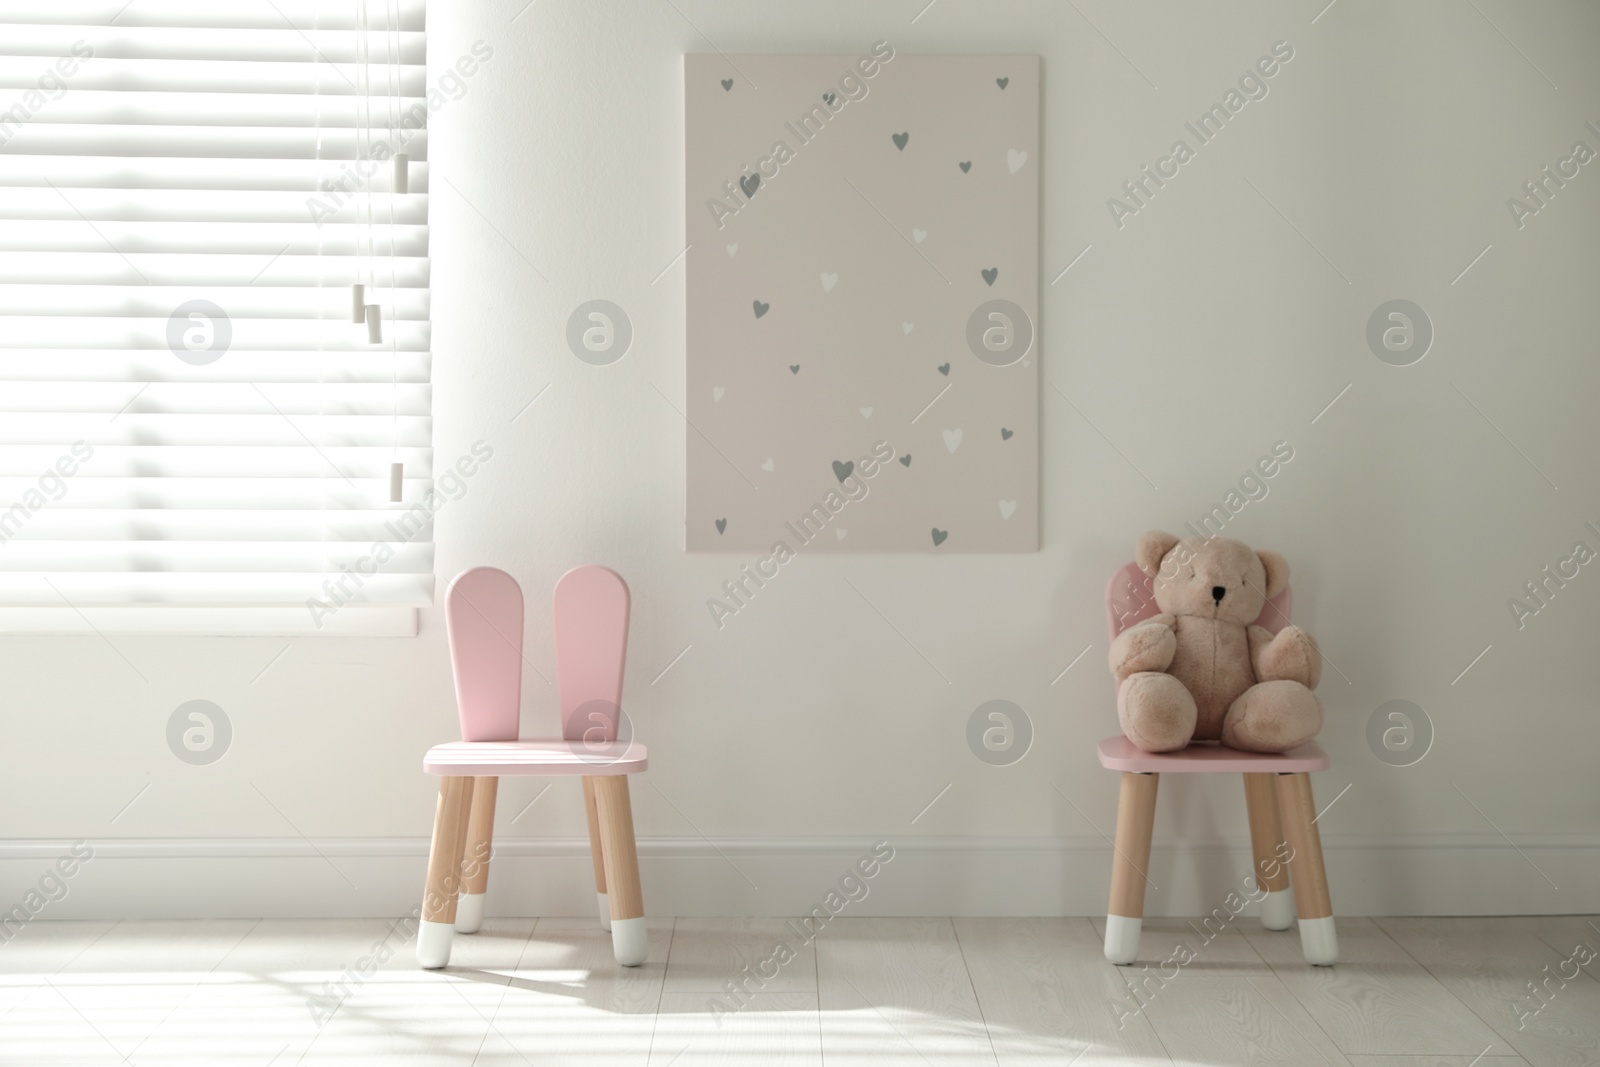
{"x":498,"y":759}
{"x":1207,"y":757}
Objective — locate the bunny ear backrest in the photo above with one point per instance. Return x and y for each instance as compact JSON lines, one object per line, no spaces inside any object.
{"x":1129,"y":598}
{"x":483,"y":614}
{"x":1275,"y":612}
{"x":591,"y":619}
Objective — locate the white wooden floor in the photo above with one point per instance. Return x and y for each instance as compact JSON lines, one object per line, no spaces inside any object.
{"x":1411,"y":992}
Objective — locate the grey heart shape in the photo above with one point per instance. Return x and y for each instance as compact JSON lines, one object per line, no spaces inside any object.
{"x":722,"y":524}
{"x":828,"y":98}
{"x":906,"y":459}
{"x":794,"y":368}
{"x":939,"y":536}
{"x":1005,"y":434}
{"x":991,"y":274}
{"x":944,"y":369}
{"x":727,"y":83}
{"x":749,"y":183}
{"x":1002,"y":82}
{"x":843,"y":470}
{"x":966,"y":166}
{"x":900,"y":140}
{"x":761,"y":309}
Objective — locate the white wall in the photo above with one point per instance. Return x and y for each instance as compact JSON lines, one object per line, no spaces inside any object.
{"x":1210,"y":326}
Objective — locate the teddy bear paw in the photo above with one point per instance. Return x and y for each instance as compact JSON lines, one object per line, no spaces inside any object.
{"x":1157,"y":713}
{"x":1272,"y":717}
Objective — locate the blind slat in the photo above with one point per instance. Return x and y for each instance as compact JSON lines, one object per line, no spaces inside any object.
{"x":124,"y":366}
{"x":202,"y":14}
{"x":49,"y":588}
{"x":194,"y":398}
{"x":280,"y":44}
{"x":206,"y":524}
{"x":20,"y":170}
{"x":165,"y":268}
{"x":197,"y":205}
{"x":323,"y":490}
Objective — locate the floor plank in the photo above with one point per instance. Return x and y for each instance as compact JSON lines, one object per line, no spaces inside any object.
{"x":1236,"y":1021}
{"x":772,"y":1029}
{"x":317,"y":988}
{"x":568,"y":1001}
{"x":105,"y":1004}
{"x":1488,"y":1060}
{"x":897,"y":989}
{"x":708,"y":953}
{"x":38,"y":949}
{"x":1049,"y":996}
{"x":1572,"y":936}
{"x":1377,"y":999}
{"x":1489,"y":964}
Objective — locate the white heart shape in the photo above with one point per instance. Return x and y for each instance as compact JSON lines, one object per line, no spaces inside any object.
{"x":919,"y":235}
{"x":767,"y":466}
{"x":839,"y":532}
{"x":829,"y":281}
{"x":1008,"y":508}
{"x":905,"y":327}
{"x":952,"y":439}
{"x":866,"y":413}
{"x":716,"y":393}
{"x":733,"y":248}
{"x":1016,"y":160}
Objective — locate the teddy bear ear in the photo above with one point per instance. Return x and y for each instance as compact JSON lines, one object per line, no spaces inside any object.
{"x":1152,"y":549}
{"x":1277,"y":572}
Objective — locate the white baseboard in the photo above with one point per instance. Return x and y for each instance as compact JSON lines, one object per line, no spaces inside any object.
{"x":1456,"y":874}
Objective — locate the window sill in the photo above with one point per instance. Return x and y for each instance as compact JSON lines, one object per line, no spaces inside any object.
{"x":277,"y":621}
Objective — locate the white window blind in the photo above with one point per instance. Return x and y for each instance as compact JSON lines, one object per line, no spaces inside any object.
{"x":194,"y":433}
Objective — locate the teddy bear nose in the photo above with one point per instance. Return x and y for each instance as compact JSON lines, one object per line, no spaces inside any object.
{"x":1218,"y":592}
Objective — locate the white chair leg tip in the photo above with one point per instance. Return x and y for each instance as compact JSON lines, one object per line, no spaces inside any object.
{"x":629,"y":939}
{"x":1319,"y":941}
{"x":1122,"y":938}
{"x":469,"y":913}
{"x":433,"y":944}
{"x":1277,"y":909}
{"x":605,"y":910}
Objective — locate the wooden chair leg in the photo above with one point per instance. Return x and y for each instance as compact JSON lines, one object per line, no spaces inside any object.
{"x":621,"y":859}
{"x":438,"y":924}
{"x":1130,"y":861}
{"x":475,"y":865}
{"x":1271,"y":873}
{"x":597,"y":853}
{"x":1317,"y":936}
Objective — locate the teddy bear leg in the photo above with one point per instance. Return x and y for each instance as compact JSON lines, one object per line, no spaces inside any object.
{"x":1156,"y":711}
{"x":1272,"y":717}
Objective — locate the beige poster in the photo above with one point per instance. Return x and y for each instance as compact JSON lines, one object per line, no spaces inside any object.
{"x":862,"y":303}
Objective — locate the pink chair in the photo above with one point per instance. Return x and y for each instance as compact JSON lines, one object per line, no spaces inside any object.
{"x":483,"y":612}
{"x":1277,"y":790}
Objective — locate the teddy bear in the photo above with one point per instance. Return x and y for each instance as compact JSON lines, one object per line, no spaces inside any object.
{"x":1201,"y":670}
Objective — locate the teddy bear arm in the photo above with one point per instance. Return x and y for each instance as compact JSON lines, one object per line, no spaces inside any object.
{"x":1289,"y":656}
{"x":1149,"y":646}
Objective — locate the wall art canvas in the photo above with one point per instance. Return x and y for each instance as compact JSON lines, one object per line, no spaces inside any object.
{"x":862,"y":319}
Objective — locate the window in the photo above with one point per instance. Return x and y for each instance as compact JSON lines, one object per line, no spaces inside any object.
{"x":196,"y":435}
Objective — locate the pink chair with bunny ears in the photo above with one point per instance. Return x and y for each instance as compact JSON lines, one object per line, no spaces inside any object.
{"x":483,"y":613}
{"x":1277,"y":792}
